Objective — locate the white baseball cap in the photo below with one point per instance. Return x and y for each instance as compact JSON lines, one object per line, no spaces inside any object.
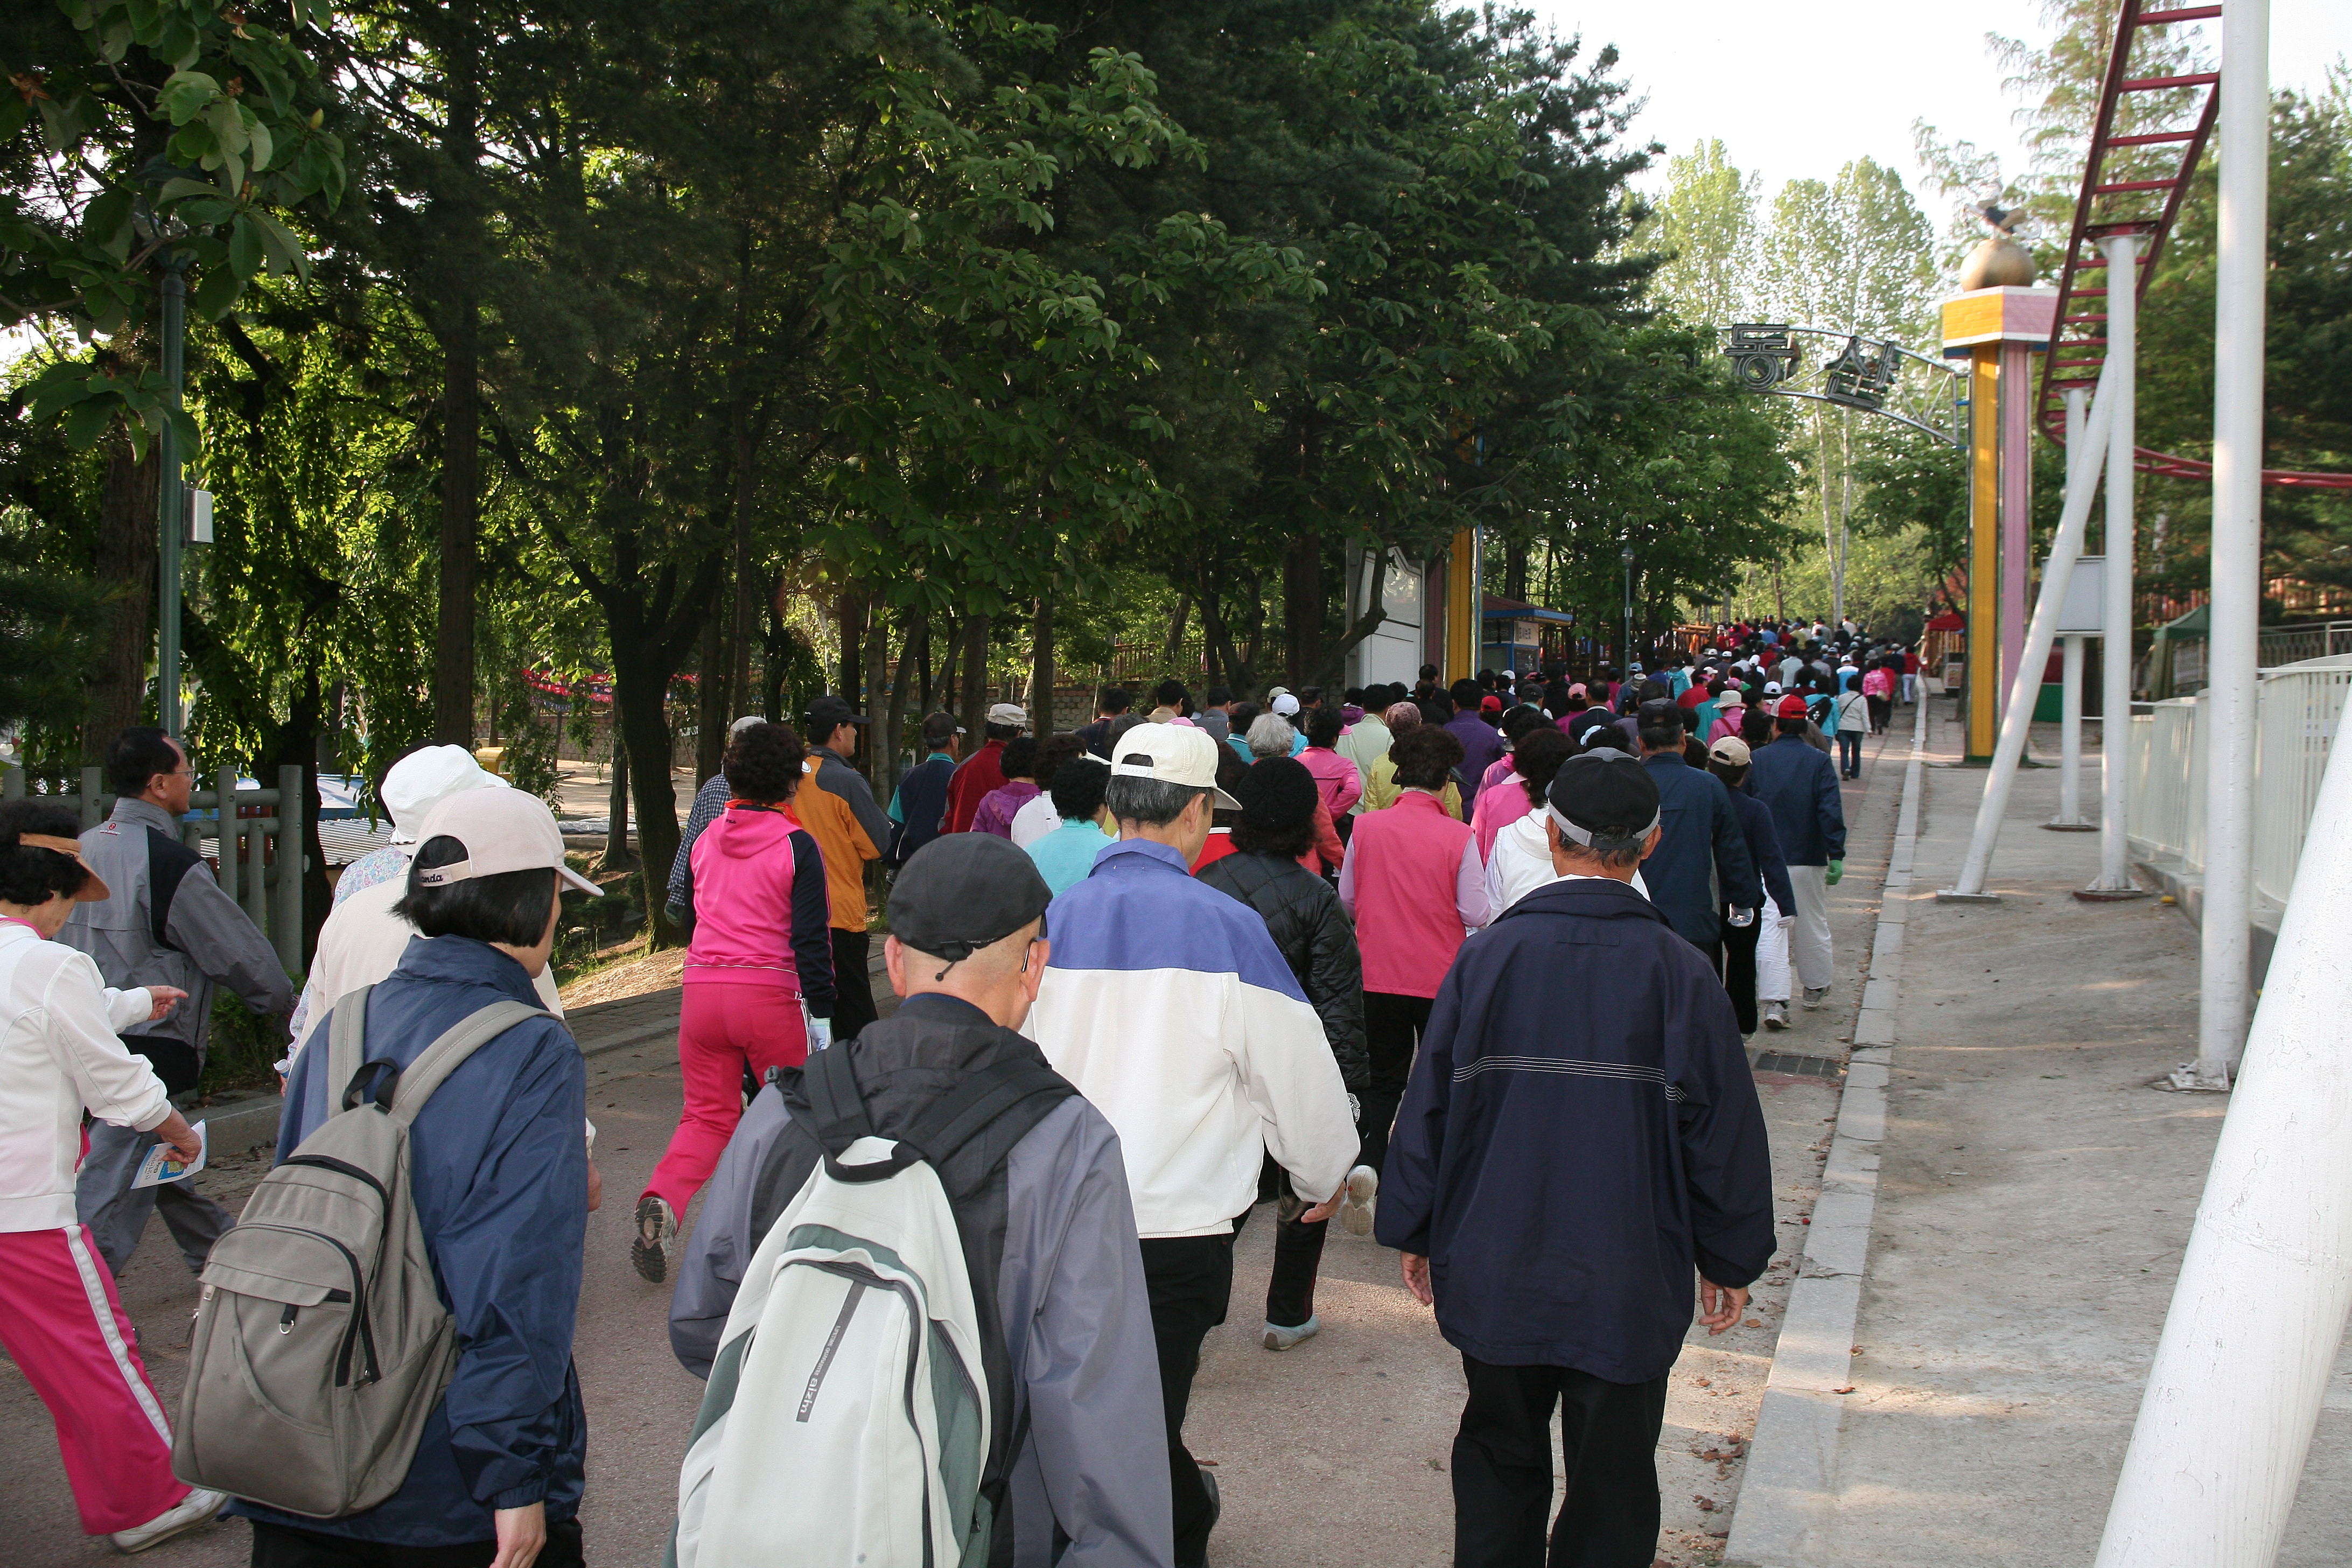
{"x":1285,"y":705}
{"x":502,"y":830}
{"x":423,"y":779}
{"x":1172,"y":753}
{"x":1011,"y":713}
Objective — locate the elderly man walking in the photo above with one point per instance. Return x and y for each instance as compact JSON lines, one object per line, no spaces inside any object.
{"x":1801,"y":785}
{"x":164,"y":921}
{"x":1564,"y":1176}
{"x":1169,"y":1006}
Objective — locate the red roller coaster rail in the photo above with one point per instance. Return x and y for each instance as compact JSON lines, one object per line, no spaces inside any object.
{"x":2142,"y":206}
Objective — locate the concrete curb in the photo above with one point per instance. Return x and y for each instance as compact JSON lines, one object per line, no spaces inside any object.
{"x":1789,"y":1487}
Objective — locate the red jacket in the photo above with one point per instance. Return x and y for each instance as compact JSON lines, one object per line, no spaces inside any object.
{"x":982,"y":774}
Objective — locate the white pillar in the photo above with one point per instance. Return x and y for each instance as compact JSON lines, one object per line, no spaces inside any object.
{"x":2073,"y":521}
{"x":2250,"y":1342}
{"x":2070,"y":741}
{"x":2225,"y":924}
{"x":2115,"y":656}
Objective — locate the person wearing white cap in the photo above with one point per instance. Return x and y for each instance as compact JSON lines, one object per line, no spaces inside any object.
{"x":358,"y":946}
{"x":982,"y":774}
{"x":1169,"y":1006}
{"x":500,"y":1180}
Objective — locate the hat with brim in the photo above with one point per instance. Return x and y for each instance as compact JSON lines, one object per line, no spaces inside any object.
{"x":964,"y":891}
{"x":1792,"y":707}
{"x":93,"y":889}
{"x":1732,"y":697}
{"x":423,"y":779}
{"x":1603,"y":803}
{"x":502,"y":830}
{"x":1172,"y":754}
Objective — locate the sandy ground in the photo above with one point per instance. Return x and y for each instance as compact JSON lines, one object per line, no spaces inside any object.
{"x":1333,"y":1453}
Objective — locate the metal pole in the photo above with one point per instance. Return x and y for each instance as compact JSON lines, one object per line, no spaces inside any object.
{"x":170,"y":505}
{"x":2016,"y":476}
{"x":1983,"y":676}
{"x":2250,"y":1342}
{"x":2011,"y":747}
{"x":2070,"y":741}
{"x":2225,"y":925}
{"x":2116,"y":657}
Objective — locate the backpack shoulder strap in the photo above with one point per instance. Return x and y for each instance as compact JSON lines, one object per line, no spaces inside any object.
{"x":989,"y":1111}
{"x":346,"y":1047}
{"x":443,"y":1056}
{"x":835,"y":1102}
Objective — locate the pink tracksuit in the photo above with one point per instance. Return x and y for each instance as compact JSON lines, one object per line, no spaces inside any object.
{"x":762,"y":942}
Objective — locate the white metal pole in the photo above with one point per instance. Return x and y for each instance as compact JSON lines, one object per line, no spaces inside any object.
{"x":2225,"y":924}
{"x":2250,"y":1342}
{"x":2116,"y":657}
{"x":2024,"y":684}
{"x":2070,"y":741}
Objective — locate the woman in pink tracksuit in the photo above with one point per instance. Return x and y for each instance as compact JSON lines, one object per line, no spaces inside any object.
{"x":60,"y":1317}
{"x":761,"y":949}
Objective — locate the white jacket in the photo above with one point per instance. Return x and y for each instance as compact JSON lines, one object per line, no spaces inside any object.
{"x":1520,"y":862}
{"x":58,"y":1053}
{"x":1170,"y":1007}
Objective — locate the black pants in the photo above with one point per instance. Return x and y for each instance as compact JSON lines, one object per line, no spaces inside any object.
{"x":276,"y":1546}
{"x":1738,"y":968}
{"x":1882,"y":708}
{"x":852,"y":986}
{"x":1298,"y":1251}
{"x":1850,"y":752}
{"x":1502,"y":1469}
{"x":1392,"y":1026}
{"x":1191,"y":1281}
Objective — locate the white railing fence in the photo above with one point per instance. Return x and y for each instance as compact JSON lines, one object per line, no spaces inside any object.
{"x":2296,"y":716}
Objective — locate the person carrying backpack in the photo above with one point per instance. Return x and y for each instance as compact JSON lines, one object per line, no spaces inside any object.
{"x":496,"y":1173}
{"x":1013,"y":1227}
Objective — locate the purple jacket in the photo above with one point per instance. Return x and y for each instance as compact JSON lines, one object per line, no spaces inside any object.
{"x":1481,"y":744}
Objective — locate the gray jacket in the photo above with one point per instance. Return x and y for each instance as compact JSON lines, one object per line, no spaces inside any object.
{"x":1093,"y":1467}
{"x":166,"y":922}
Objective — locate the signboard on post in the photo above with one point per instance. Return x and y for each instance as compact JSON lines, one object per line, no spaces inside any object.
{"x":2083,"y":612}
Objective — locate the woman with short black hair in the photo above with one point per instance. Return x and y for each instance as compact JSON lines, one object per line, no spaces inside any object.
{"x":60,"y":1320}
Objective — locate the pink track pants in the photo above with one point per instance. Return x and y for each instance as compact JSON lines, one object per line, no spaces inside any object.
{"x":67,"y":1334}
{"x":723,"y":1028}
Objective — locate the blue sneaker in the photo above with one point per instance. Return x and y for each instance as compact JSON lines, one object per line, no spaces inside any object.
{"x":1278,"y":1338}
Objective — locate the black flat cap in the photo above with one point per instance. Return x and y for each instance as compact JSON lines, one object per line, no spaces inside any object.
{"x":963,"y":891}
{"x":828,"y":713}
{"x":1603,"y":801}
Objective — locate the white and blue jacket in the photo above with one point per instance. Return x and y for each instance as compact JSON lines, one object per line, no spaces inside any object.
{"x":1170,"y":1007}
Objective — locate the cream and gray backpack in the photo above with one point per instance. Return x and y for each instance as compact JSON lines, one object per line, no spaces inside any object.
{"x":321,"y":1343}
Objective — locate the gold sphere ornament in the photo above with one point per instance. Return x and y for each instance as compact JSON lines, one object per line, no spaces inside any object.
{"x":1999,"y":263}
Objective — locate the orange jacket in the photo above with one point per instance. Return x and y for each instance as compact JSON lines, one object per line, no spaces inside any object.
{"x":846,"y":845}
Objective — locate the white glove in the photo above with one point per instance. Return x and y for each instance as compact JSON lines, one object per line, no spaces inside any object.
{"x":1743,"y":918}
{"x":820,"y":1035}
{"x":1355,"y":1111}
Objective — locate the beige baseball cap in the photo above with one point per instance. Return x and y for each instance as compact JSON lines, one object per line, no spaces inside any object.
{"x":1731,"y":752}
{"x":502,"y":830}
{"x":1172,"y":753}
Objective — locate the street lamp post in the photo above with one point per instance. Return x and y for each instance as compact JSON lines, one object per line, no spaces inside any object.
{"x":1626,"y":559}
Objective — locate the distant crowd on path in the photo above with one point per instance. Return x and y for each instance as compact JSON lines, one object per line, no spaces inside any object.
{"x":1152,"y":973}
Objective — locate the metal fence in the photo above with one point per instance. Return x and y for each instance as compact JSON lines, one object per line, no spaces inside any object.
{"x":265,"y":878}
{"x":2297,"y":707}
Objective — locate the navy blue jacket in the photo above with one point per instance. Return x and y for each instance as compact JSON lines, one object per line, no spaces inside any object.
{"x":499,"y":1175}
{"x":1701,"y":864}
{"x":922,"y":805}
{"x":1564,"y":1163}
{"x":1801,"y":785}
{"x":1764,"y":848}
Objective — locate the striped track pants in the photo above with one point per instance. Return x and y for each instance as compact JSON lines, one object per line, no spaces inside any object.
{"x":67,"y":1334}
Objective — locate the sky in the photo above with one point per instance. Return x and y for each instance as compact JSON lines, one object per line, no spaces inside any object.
{"x":1798,"y":88}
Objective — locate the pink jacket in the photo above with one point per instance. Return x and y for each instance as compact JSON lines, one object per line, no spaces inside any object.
{"x":1415,"y":884}
{"x":1341,"y":785}
{"x":761,"y":912}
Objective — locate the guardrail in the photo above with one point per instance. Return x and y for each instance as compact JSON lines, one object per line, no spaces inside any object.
{"x":2296,"y":713}
{"x":265,"y":879}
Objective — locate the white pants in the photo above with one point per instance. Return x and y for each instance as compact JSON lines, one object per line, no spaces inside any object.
{"x":1808,"y":939}
{"x":1910,"y":682}
{"x":1772,"y":954}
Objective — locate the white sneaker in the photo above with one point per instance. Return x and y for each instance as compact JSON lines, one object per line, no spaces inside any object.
{"x":656,"y":1239}
{"x":1776,"y":1015}
{"x":1813,"y":995}
{"x":197,"y":1508}
{"x":1355,"y":1209}
{"x":1278,"y":1338}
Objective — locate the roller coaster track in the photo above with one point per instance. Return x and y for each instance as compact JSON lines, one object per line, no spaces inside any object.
{"x":2145,"y":206}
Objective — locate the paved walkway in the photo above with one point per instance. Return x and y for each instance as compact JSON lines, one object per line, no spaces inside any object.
{"x":1334,"y":1453}
{"x":2033,"y":1196}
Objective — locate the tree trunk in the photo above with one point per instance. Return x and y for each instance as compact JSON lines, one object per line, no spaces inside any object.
{"x":876,"y":692}
{"x":616,"y":806}
{"x":892,"y":751}
{"x":1515,"y":573}
{"x":974,"y":705}
{"x":460,"y":330}
{"x":1302,"y":607}
{"x":125,"y":569}
{"x":295,"y":745}
{"x":1041,"y":668}
{"x":710,"y":698}
{"x":849,"y":615}
{"x":746,"y":486}
{"x":639,"y":685}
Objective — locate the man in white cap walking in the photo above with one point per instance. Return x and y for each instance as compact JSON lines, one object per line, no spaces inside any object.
{"x":1170,"y":1007}
{"x":982,"y":772}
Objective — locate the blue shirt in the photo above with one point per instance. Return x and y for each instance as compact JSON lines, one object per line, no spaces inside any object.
{"x":498,"y":1163}
{"x":1065,"y":856}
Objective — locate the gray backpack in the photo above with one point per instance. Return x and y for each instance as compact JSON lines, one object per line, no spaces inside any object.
{"x":322,"y":1345}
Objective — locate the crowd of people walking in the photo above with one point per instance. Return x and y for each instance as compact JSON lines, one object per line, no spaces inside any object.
{"x":1467,"y":967}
